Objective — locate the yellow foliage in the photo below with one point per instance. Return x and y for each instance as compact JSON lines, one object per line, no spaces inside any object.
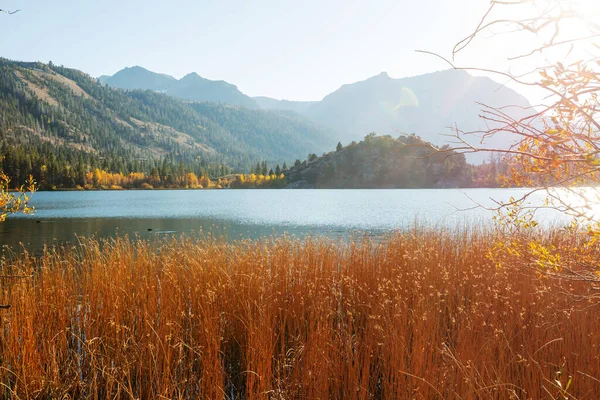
{"x":11,"y":203}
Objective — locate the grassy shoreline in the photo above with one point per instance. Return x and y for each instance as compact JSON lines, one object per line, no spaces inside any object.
{"x":422,"y":314}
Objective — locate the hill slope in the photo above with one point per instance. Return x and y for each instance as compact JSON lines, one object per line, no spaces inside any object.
{"x":382,"y":162}
{"x":67,"y":108}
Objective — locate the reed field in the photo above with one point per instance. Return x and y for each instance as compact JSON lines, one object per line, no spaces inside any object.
{"x":422,"y":314}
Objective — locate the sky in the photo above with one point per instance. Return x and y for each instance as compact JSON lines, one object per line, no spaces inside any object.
{"x":296,"y":50}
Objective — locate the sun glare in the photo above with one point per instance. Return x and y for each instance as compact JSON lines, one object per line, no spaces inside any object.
{"x":582,"y":23}
{"x":586,"y":7}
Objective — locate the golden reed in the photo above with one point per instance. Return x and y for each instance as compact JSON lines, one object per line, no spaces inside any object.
{"x":421,"y":314}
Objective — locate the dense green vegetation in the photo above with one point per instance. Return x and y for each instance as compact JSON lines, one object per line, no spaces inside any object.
{"x":65,"y":122}
{"x":64,"y":167}
{"x":387,"y":162}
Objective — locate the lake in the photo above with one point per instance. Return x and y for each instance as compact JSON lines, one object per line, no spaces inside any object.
{"x":338,"y":214}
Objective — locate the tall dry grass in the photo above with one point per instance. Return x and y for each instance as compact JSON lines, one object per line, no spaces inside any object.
{"x":422,"y":314}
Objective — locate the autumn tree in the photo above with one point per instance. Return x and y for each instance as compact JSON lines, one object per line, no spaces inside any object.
{"x":14,"y":202}
{"x":556,"y":144}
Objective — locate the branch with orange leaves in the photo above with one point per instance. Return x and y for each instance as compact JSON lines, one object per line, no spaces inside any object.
{"x":555,"y":148}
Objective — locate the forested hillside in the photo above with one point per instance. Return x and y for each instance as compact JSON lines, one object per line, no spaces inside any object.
{"x":64,"y":121}
{"x":387,"y":162}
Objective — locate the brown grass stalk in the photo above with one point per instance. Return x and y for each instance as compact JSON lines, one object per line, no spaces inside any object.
{"x":420,"y":314}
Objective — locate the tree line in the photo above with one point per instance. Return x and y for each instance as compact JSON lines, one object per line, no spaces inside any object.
{"x":403,"y":162}
{"x":65,"y":168}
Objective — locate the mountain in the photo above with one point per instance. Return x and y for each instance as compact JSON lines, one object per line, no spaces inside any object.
{"x":195,"y":88}
{"x":139,"y":78}
{"x":274,"y":104}
{"x":64,"y":109}
{"x":425,"y":105}
{"x":191,"y":87}
{"x":103,"y":79}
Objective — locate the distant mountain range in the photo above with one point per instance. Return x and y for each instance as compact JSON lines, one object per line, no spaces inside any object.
{"x":191,"y":87}
{"x":137,"y":114}
{"x":274,"y":104}
{"x":426,"y":105}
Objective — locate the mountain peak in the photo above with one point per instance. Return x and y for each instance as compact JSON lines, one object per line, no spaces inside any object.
{"x":191,"y":87}
{"x":137,"y":77}
{"x":424,"y":104}
{"x":381,"y":76}
{"x":192,"y":75}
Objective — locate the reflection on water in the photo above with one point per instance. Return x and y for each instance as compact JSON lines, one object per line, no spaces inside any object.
{"x":34,"y":234}
{"x":233,"y":214}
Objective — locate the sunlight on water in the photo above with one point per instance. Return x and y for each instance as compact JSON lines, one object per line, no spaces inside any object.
{"x":583,"y":202}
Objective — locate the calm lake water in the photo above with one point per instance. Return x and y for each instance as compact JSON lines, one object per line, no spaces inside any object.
{"x":61,"y":216}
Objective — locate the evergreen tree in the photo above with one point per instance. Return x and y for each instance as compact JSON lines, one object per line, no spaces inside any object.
{"x":264,"y":168}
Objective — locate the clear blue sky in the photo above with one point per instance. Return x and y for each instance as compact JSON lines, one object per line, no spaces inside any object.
{"x":298,"y":50}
